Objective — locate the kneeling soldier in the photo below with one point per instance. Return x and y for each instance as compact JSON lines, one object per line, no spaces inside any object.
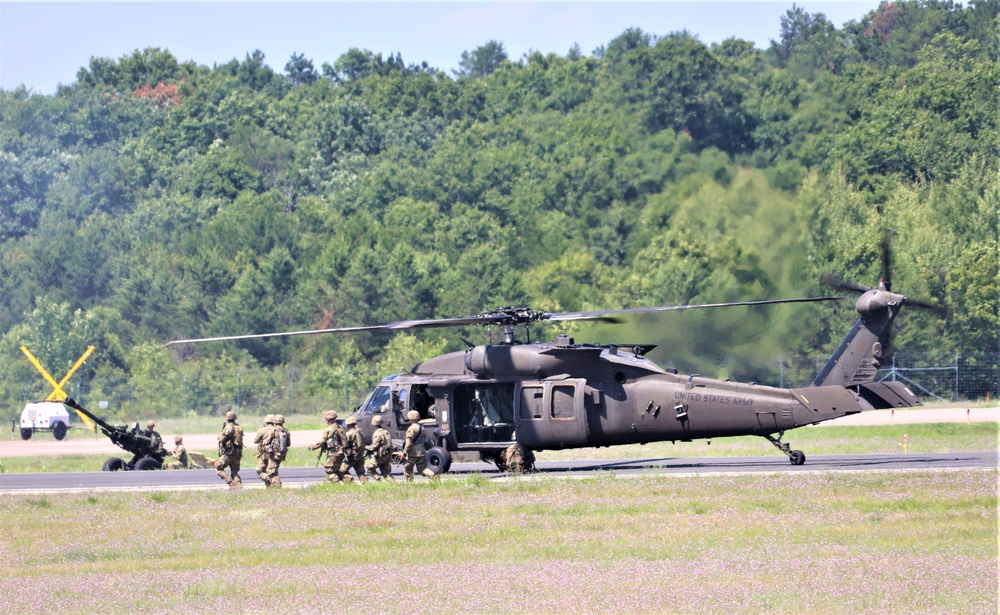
{"x":181,"y":454}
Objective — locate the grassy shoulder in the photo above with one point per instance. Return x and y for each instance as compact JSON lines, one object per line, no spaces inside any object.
{"x":852,"y":440}
{"x":850,"y":542}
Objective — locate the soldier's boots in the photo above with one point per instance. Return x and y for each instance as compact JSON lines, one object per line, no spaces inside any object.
{"x":347,"y":480}
{"x":430,"y":475}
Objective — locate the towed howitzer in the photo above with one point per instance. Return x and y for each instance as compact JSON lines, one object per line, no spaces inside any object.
{"x":145,"y":456}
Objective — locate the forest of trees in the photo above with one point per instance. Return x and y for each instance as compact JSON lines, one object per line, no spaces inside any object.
{"x":155,"y":199}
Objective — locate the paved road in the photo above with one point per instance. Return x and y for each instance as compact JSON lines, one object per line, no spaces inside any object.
{"x":304,"y":476}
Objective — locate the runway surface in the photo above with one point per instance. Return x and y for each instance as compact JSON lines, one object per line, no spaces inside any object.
{"x":305,"y":476}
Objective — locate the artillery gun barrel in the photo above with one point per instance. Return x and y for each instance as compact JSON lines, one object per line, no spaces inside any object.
{"x":135,"y":443}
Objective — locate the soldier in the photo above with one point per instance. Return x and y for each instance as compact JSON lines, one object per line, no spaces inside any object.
{"x":354,"y":451}
{"x":230,"y":451}
{"x":155,"y":440}
{"x":332,"y":442}
{"x":181,"y":454}
{"x":415,"y":448}
{"x":381,"y":450}
{"x":262,"y":434}
{"x":276,"y":447}
{"x":518,"y":459}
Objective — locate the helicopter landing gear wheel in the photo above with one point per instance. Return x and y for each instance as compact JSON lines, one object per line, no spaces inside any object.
{"x":438,"y":460}
{"x":796,"y":458}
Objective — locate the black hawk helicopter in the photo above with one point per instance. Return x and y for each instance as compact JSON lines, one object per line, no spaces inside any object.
{"x":473,"y":404}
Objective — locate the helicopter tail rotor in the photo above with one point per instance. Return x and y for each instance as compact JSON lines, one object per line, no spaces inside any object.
{"x":858,"y":358}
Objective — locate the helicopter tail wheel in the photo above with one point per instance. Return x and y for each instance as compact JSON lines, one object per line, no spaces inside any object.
{"x":797,"y":458}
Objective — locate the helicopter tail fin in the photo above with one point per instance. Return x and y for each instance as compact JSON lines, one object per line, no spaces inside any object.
{"x":857,"y":359}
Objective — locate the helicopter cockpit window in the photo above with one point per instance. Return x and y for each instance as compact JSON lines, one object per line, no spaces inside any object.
{"x":377,"y":401}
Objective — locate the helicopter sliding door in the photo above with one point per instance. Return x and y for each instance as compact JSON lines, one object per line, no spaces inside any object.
{"x":551,"y":414}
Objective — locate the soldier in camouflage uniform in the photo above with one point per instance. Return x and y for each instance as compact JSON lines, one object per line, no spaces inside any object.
{"x":155,"y":440}
{"x":381,"y":450}
{"x":230,"y":451}
{"x":263,"y":433}
{"x":276,"y":447}
{"x":354,"y":451}
{"x":332,"y":441}
{"x":415,"y":448}
{"x":518,"y":459}
{"x":181,"y":454}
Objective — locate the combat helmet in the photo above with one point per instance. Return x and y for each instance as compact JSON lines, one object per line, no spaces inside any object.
{"x":377,"y":421}
{"x":279,"y":419}
{"x":230,"y":416}
{"x":269,"y":419}
{"x":330,"y":415}
{"x":178,"y":439}
{"x":150,"y":424}
{"x":413,"y":415}
{"x":351,"y":421}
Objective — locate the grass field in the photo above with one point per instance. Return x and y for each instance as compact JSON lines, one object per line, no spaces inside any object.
{"x":921,"y":438}
{"x":893,"y":542}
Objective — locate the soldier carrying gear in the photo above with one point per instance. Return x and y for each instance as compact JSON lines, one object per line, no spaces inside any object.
{"x":332,"y":442}
{"x":230,"y":451}
{"x":354,"y":451}
{"x":276,"y":446}
{"x":415,"y":449}
{"x":262,"y":434}
{"x":183,"y":462}
{"x":381,"y":450}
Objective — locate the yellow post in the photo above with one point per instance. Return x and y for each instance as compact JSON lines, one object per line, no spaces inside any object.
{"x":906,"y":447}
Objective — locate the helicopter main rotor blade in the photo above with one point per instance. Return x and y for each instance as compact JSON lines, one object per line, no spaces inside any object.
{"x":402,"y":324}
{"x":503,"y":317}
{"x":603,"y":315}
{"x":840,"y":283}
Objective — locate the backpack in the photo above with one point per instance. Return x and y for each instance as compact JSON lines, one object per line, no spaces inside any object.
{"x":280,"y":441}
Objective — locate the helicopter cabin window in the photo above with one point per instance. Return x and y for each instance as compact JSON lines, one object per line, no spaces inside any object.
{"x":377,"y":400}
{"x":531,"y":402}
{"x":484,"y":412}
{"x":562,"y":402}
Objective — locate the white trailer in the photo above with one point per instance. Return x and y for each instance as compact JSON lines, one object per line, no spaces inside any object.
{"x":44,"y":416}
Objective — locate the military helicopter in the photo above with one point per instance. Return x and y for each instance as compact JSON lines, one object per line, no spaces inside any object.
{"x":475,"y":403}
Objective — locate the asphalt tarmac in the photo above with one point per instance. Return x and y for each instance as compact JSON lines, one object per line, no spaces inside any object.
{"x":81,"y":482}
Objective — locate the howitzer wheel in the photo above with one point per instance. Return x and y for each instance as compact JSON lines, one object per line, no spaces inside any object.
{"x":148,"y":463}
{"x":114,"y":464}
{"x":25,"y":434}
{"x":59,"y":430}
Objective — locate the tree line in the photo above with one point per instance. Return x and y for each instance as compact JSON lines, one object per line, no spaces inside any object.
{"x":156,"y":199}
